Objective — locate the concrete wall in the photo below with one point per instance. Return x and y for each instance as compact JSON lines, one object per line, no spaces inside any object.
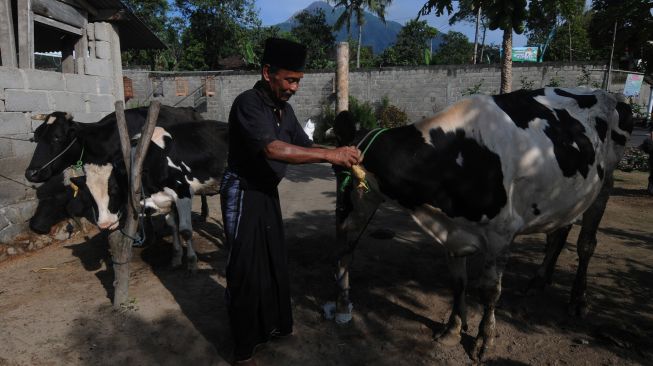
{"x":89,"y":95}
{"x":420,"y":91}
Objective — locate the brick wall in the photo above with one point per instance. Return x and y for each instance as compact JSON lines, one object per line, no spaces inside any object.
{"x":420,"y":91}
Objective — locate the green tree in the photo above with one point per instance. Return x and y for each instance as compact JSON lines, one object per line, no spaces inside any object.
{"x":634,"y":24}
{"x":507,"y":15}
{"x":413,"y":38}
{"x":154,"y":13}
{"x":455,"y":49}
{"x":356,"y":8}
{"x":216,"y":29}
{"x":313,"y":31}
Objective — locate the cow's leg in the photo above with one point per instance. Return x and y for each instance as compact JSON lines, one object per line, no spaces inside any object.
{"x":585,"y":246}
{"x":178,"y":251}
{"x":458,"y":319}
{"x":184,"y":213}
{"x":205,"y":208}
{"x":555,"y":241}
{"x":490,"y":293}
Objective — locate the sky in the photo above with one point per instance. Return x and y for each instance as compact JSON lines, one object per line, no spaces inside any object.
{"x":276,"y":11}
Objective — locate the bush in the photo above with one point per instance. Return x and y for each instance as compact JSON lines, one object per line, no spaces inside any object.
{"x":323,"y":123}
{"x":634,"y":159}
{"x":363,"y":113}
{"x":390,"y":116}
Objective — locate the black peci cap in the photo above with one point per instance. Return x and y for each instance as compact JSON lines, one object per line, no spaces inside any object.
{"x":284,"y":54}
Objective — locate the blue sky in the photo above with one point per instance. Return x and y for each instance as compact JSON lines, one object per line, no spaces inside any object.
{"x":401,"y":11}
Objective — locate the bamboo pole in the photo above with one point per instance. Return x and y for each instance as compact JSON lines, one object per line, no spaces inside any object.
{"x":120,"y":243}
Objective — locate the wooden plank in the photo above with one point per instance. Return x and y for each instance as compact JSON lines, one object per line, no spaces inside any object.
{"x":68,"y":57}
{"x":59,"y":11}
{"x":59,"y":25}
{"x":82,"y":4}
{"x":25,"y":34}
{"x":7,"y":40}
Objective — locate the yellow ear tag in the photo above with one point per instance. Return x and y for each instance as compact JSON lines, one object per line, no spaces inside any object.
{"x":359,"y":173}
{"x":75,"y":189}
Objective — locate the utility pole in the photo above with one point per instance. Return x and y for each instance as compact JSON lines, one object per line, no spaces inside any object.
{"x":569,"y":29}
{"x":478,"y":20}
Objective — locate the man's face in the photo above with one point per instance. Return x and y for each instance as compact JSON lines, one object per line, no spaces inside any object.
{"x":284,"y":83}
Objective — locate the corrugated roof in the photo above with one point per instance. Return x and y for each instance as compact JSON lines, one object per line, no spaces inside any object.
{"x":134,"y":34}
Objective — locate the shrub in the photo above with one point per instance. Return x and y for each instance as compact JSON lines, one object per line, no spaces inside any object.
{"x":475,"y":89}
{"x":363,"y":113}
{"x":633,"y":159}
{"x":323,"y":123}
{"x":390,"y":116}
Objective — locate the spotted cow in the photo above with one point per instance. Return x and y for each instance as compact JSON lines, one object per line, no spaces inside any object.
{"x":182,"y":161}
{"x":484,"y":170}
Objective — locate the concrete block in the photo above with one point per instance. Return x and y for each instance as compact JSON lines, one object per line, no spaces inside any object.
{"x":26,"y":100}
{"x":104,"y":86}
{"x":2,"y":105}
{"x":6,"y":149}
{"x":79,"y":65}
{"x":102,"y":31}
{"x":68,"y":102}
{"x":94,"y":66}
{"x":100,"y":103}
{"x":89,"y":117}
{"x":91,"y":49}
{"x":23,"y":148}
{"x":103,"y":50}
{"x":81,"y":83}
{"x":13,"y":123}
{"x":11,"y":78}
{"x":44,"y":80}
{"x":90,"y":31}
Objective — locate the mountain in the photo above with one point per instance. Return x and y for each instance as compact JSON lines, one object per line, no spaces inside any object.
{"x":375,"y":32}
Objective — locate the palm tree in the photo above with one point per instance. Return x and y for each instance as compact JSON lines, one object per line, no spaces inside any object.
{"x":357,"y":8}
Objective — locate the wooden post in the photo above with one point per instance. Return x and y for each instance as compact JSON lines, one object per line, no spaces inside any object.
{"x":7,"y":40}
{"x":342,"y":77}
{"x":25,"y":34}
{"x":121,"y":244}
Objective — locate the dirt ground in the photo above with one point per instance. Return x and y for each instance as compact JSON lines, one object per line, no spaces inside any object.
{"x":55,"y":306}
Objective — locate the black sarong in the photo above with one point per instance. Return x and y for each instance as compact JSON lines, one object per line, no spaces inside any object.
{"x":258,"y":290}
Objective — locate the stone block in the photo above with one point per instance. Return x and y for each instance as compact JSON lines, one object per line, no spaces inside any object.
{"x":90,"y":31}
{"x":101,"y":103}
{"x":94,"y":66}
{"x":103,"y":50}
{"x":2,"y":105}
{"x":81,"y":83}
{"x":79,"y":65}
{"x":11,"y":78}
{"x":68,"y":102}
{"x":102,"y":31}
{"x":104,"y":86}
{"x":12,"y":123}
{"x":44,"y":80}
{"x":26,"y":100}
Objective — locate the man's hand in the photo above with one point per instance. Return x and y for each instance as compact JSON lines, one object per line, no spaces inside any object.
{"x":344,"y":156}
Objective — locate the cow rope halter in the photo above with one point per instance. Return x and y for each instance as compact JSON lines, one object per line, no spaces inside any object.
{"x":356,"y":170}
{"x":61,"y":153}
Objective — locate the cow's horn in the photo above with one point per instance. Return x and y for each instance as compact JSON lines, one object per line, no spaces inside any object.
{"x":39,"y":117}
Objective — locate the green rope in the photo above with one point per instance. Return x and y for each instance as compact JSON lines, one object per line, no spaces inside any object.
{"x":78,"y":165}
{"x":348,"y":180}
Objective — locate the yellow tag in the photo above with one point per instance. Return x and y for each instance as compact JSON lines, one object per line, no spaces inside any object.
{"x":359,"y":173}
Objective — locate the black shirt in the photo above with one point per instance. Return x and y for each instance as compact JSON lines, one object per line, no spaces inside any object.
{"x":256,"y":119}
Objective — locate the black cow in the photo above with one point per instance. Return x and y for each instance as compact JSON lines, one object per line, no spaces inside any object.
{"x":182,"y":161}
{"x":58,"y":201}
{"x":485,"y":170}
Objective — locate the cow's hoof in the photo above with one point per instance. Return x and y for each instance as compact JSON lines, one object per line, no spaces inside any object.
{"x":579,"y":308}
{"x":344,"y":316}
{"x":481,"y":347}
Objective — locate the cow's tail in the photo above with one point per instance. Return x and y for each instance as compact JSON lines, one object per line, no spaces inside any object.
{"x":625,"y":116}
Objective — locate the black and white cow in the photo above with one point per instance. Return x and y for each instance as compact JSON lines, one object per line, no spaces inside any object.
{"x":182,"y":161}
{"x":62,"y":142}
{"x":487,"y":169}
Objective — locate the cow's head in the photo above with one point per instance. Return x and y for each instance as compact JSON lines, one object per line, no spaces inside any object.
{"x":56,"y":146}
{"x":107,"y":186}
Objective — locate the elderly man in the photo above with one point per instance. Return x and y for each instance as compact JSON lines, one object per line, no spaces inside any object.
{"x":264,"y":136}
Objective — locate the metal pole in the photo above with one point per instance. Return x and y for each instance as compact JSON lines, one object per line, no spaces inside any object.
{"x":614,"y":36}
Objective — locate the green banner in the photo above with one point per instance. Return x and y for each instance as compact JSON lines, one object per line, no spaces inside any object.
{"x":521,"y":54}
